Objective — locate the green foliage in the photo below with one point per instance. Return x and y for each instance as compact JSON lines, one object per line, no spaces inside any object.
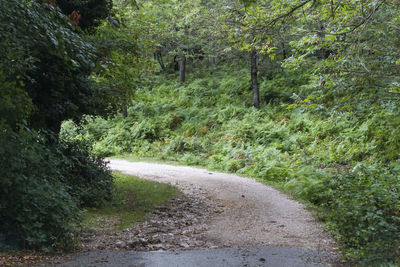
{"x":87,"y":177}
{"x":15,"y":104}
{"x":310,"y":184}
{"x":36,"y":209}
{"x":123,"y":66}
{"x":44,"y":79}
{"x":333,"y":112}
{"x":353,"y":57}
{"x":365,"y":208}
{"x":282,"y":86}
{"x":52,"y":62}
{"x":42,"y":186}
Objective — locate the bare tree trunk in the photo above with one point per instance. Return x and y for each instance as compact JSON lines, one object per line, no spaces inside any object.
{"x":254,"y":78}
{"x":176,"y":63}
{"x":159,"y":58}
{"x":284,"y":56}
{"x":124,"y":110}
{"x":182,"y":70}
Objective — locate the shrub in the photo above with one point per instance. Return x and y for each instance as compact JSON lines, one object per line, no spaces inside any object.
{"x":36,"y":211}
{"x":43,"y":182}
{"x":87,"y":178}
{"x":310,"y":184}
{"x":365,"y":210}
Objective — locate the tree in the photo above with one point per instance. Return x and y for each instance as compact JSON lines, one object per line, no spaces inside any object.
{"x":44,"y":79}
{"x":242,"y":36}
{"x":126,"y":49}
{"x":178,"y":27}
{"x":56,"y":78}
{"x":254,"y":27}
{"x":352,"y":52}
{"x":181,"y":39}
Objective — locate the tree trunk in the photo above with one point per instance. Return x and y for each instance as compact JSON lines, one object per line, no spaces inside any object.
{"x":182,"y":70}
{"x":124,"y":110}
{"x":160,"y":60}
{"x":176,"y":63}
{"x":284,"y":56}
{"x":254,"y":78}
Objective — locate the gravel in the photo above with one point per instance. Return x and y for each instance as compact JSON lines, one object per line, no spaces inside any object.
{"x":179,"y":224}
{"x":218,"y":210}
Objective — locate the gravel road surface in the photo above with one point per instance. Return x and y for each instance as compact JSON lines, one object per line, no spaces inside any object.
{"x":255,"y":225}
{"x":253,"y":213}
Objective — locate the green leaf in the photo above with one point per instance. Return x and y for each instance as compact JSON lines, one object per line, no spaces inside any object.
{"x":330,"y":38}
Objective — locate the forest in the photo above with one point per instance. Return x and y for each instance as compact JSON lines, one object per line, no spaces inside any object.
{"x":303,"y":95}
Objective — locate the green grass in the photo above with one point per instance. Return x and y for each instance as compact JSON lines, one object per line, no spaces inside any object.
{"x":134,"y":199}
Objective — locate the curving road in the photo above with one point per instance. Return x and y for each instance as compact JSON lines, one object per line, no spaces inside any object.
{"x":258,"y":225}
{"x":253,"y":213}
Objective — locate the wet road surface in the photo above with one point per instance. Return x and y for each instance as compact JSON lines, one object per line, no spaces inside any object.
{"x":258,"y":256}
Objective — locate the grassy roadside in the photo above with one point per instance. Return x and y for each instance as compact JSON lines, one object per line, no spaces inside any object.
{"x":134,"y":199}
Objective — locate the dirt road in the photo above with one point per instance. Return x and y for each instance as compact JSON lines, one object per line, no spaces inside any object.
{"x":253,"y":214}
{"x":256,"y":225}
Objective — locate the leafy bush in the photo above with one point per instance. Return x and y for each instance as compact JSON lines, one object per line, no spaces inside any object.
{"x":15,"y":105}
{"x":365,"y":210}
{"x":310,"y":184}
{"x":36,"y":210}
{"x":43,"y":184}
{"x":44,"y":181}
{"x":87,"y":178}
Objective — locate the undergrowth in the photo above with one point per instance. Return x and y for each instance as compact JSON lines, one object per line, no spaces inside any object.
{"x":345,"y":164}
{"x":43,"y":187}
